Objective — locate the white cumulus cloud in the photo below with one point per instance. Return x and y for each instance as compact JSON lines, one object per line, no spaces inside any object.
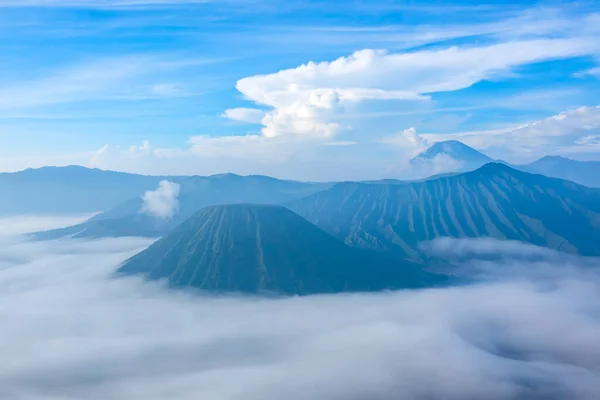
{"x":311,"y":99}
{"x":408,"y":140}
{"x":162,"y":202}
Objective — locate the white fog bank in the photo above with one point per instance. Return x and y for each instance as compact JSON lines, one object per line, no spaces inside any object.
{"x":69,"y":331}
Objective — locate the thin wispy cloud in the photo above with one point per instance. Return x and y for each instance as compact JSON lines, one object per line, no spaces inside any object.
{"x":18,"y":225}
{"x":516,"y":24}
{"x":97,"y":3}
{"x":129,"y":77}
{"x":588,"y":73}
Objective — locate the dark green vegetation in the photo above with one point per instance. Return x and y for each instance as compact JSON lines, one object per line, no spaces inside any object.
{"x":259,"y":248}
{"x":196,"y":192}
{"x":494,"y":201}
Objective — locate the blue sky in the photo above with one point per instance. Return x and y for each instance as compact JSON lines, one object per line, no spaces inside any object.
{"x":298,"y":89}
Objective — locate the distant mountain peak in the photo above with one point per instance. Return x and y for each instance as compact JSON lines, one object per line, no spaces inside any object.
{"x":583,"y":172}
{"x":555,"y":158}
{"x":496,"y":167}
{"x":447,"y":145}
{"x":54,"y":167}
{"x":455,"y":149}
{"x":562,"y":161}
{"x":226,"y":175}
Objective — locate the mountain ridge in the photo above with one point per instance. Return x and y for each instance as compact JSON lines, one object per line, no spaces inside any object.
{"x":494,"y":200}
{"x":586,"y":173}
{"x":253,"y":248}
{"x":196,"y":192}
{"x":68,"y":190}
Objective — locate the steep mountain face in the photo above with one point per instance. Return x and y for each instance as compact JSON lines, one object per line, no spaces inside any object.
{"x":196,"y":192}
{"x":583,"y":172}
{"x":70,"y":189}
{"x":495,"y":201}
{"x":260,"y":248}
{"x":450,"y":155}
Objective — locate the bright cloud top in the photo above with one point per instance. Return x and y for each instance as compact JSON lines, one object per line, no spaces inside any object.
{"x":162,"y":202}
{"x":309,"y":99}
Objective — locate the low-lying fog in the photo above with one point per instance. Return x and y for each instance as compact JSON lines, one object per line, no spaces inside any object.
{"x":529,"y":330}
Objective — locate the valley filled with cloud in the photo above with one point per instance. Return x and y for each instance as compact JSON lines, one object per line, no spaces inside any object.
{"x":299,"y":200}
{"x":523,"y":323}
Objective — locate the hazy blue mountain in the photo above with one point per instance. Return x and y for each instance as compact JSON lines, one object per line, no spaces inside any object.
{"x":73,"y":189}
{"x":195,"y":193}
{"x":583,"y":172}
{"x":586,"y":173}
{"x":455,"y":149}
{"x":495,"y":201}
{"x":387,"y":181}
{"x":391,"y":181}
{"x":464,"y":157}
{"x":260,"y":248}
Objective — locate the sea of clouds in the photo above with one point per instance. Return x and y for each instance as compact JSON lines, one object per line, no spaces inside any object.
{"x":528,"y":329}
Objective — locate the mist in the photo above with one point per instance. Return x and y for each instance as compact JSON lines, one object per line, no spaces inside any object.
{"x":162,"y":202}
{"x":17,"y":225}
{"x":70,"y":330}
